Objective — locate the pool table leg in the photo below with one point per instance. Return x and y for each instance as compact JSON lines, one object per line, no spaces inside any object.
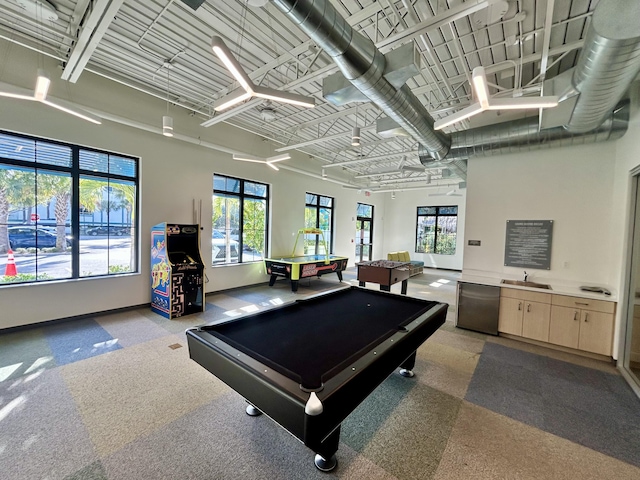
{"x":272,"y":280}
{"x":325,"y":458}
{"x":406,"y":367}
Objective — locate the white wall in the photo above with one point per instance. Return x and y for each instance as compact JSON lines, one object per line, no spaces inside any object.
{"x":173,"y":174}
{"x":573,"y":186}
{"x":400,"y":226}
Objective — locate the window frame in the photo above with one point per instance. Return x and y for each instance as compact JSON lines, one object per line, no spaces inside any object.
{"x":437,"y":215}
{"x":318,"y":205}
{"x":241,"y":195}
{"x":75,"y":172}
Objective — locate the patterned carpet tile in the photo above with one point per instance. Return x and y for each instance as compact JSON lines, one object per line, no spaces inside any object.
{"x":77,"y":340}
{"x":486,"y":446}
{"x":139,"y":389}
{"x":42,"y":435}
{"x":580,"y":404}
{"x":23,"y":352}
{"x":220,"y":441}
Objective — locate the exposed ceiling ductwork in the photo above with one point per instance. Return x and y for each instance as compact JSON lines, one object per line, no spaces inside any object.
{"x":609,"y":63}
{"x":363,"y":65}
{"x":525,"y":135}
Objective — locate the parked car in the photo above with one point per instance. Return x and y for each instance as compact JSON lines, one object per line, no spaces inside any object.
{"x":30,"y":236}
{"x":218,"y":247}
{"x":108,"y":230}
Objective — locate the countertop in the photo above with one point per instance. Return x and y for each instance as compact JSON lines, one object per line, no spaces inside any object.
{"x":556,"y":288}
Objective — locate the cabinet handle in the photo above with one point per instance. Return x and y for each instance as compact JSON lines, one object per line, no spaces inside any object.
{"x":586,"y":317}
{"x":528,"y":307}
{"x":581,"y":303}
{"x":519,"y":306}
{"x":575,"y":315}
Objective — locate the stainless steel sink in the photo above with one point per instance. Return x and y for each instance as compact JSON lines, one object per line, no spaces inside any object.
{"x":520,"y":283}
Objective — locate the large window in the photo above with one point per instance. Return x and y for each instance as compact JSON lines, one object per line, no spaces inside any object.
{"x":436,"y":230}
{"x":318,"y":213}
{"x":240,"y":213}
{"x":65,"y":211}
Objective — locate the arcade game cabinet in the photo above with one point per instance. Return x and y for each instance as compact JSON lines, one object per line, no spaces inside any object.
{"x":177,"y":271}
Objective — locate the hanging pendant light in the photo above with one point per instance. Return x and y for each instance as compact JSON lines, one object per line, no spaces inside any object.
{"x":167,"y":120}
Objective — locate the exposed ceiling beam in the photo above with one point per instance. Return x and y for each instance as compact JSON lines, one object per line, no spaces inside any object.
{"x":96,"y":25}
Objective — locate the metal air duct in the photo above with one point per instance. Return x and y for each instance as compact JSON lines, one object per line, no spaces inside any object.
{"x":609,"y":61}
{"x":363,"y":65}
{"x":524,"y":135}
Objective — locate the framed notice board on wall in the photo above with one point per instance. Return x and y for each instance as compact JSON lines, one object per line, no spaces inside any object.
{"x":528,"y":244}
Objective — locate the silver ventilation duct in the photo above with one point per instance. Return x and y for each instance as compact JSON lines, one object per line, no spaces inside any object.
{"x":524,"y":135}
{"x":609,"y":61}
{"x":363,"y":65}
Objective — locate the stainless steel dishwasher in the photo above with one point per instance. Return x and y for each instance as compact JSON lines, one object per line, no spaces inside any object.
{"x":478,"y":307}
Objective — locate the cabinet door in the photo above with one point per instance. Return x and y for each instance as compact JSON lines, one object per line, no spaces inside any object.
{"x":510,"y":320}
{"x":564,"y":327}
{"x":596,"y":332}
{"x":535,"y":322}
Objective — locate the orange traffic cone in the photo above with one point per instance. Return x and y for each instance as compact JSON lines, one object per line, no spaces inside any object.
{"x":10,"y":270}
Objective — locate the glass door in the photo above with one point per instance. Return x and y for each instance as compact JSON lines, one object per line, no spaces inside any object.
{"x":631,"y":353}
{"x":364,"y":233}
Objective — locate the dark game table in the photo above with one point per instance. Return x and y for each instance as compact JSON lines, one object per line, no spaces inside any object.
{"x":310,"y":363}
{"x":385,"y":273}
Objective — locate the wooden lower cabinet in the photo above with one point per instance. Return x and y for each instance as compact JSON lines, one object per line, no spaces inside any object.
{"x":524,"y":313}
{"x":582,"y":324}
{"x":574,"y":322}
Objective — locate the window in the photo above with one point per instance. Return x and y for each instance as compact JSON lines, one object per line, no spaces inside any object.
{"x":318,"y":213}
{"x":52,"y":197}
{"x":240,"y":213}
{"x":436,"y":230}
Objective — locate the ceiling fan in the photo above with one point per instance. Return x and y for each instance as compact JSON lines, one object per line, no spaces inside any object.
{"x":481,"y":90}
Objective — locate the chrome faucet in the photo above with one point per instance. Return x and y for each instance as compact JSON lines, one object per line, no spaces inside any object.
{"x":526,"y":275}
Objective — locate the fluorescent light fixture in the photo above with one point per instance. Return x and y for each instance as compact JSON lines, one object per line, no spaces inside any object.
{"x":355,"y":137}
{"x":40,"y":95}
{"x":248,"y":88}
{"x":42,"y":86}
{"x":324,"y":174}
{"x":480,"y":86}
{"x":16,"y":95}
{"x":234,"y":98}
{"x":279,"y":158}
{"x":248,"y":158}
{"x":229,"y":61}
{"x":481,"y":89}
{"x":284,"y":97}
{"x":269,"y":164}
{"x":523,"y":102}
{"x":460,"y":115}
{"x":167,"y":126}
{"x":269,"y":161}
{"x":85,"y":115}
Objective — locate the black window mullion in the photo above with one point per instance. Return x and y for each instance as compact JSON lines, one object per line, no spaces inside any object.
{"x":75,"y":213}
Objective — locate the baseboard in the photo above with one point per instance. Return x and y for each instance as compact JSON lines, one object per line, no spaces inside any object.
{"x":28,"y":326}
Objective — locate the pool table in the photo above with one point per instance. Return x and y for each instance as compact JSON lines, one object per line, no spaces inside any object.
{"x":305,"y":266}
{"x":308,"y":364}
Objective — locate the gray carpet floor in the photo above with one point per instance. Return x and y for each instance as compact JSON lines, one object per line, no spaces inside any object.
{"x":116,"y":397}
